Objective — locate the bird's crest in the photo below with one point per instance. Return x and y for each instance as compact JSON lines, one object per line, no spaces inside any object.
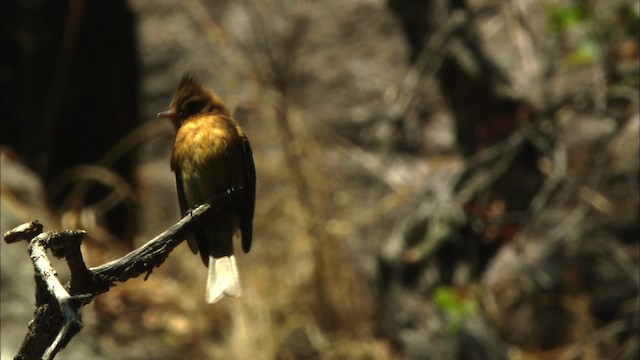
{"x":192,"y":98}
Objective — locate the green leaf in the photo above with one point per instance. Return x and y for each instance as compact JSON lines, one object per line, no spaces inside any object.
{"x":564,"y":17}
{"x":456,"y":304}
{"x":586,"y":53}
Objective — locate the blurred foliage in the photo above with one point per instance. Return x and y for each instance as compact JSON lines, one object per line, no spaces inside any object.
{"x":587,"y":52}
{"x":457,"y":304}
{"x":371,"y":241}
{"x":591,"y":28}
{"x":564,"y":17}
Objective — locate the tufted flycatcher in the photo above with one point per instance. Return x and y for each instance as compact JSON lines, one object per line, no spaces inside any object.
{"x":210,"y":155}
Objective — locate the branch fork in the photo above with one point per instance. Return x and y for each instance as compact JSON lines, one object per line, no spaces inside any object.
{"x":57,"y":317}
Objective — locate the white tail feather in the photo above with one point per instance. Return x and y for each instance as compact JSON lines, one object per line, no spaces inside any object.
{"x":223,"y":279}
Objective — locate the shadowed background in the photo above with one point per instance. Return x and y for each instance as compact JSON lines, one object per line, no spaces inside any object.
{"x":436,"y":179}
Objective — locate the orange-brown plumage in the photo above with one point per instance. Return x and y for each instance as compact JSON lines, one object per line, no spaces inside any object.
{"x":210,"y":155}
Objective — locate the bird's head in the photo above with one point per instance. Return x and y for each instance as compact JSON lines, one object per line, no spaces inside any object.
{"x":190,"y":99}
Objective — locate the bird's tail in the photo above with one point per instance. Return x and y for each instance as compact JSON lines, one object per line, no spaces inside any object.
{"x":223,"y":279}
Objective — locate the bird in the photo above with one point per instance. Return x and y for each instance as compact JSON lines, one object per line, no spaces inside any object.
{"x":210,"y":155}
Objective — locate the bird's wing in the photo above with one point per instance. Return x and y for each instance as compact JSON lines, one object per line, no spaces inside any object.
{"x":193,"y":245}
{"x":249,"y":202}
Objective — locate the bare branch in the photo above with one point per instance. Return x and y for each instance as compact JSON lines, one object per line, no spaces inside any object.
{"x":48,"y":276}
{"x":154,"y":252}
{"x":57,"y":319}
{"x":25,"y":231}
